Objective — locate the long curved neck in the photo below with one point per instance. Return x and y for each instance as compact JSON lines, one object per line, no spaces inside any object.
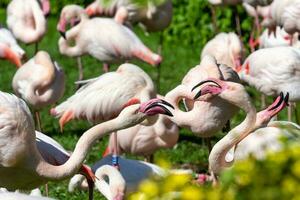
{"x":83,"y":146}
{"x":217,"y":156}
{"x":39,"y":19}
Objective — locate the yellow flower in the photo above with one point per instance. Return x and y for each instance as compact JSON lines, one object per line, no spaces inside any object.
{"x":192,"y":193}
{"x":296,"y":169}
{"x":150,"y":188}
{"x":176,"y":181}
{"x":138,"y":196}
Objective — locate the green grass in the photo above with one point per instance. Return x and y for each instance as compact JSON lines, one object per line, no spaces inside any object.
{"x":178,"y":59}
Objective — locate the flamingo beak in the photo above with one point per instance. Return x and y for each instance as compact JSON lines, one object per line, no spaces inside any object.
{"x":156,"y":106}
{"x":90,"y":11}
{"x":61,"y":27}
{"x":12,"y":57}
{"x":46,"y":8}
{"x":279,"y":104}
{"x":214,"y":88}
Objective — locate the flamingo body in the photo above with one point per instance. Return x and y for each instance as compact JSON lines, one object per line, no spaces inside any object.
{"x":274,"y":70}
{"x":103,"y":98}
{"x":115,"y":43}
{"x":26,"y":16}
{"x":40,"y":82}
{"x":19,"y":196}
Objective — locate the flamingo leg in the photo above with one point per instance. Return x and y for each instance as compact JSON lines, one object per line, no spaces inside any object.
{"x":115,"y":160}
{"x":46,"y":190}
{"x":214,"y":18}
{"x":38,"y":121}
{"x":149,"y":158}
{"x":290,"y":111}
{"x":208,"y":144}
{"x":80,"y":71}
{"x":105,"y":67}
{"x":263,"y":101}
{"x":36,"y":48}
{"x":237,"y":22}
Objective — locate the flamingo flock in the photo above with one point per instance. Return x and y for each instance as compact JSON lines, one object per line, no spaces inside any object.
{"x":125,"y":103}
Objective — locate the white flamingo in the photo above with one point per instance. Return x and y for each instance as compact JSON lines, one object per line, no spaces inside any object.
{"x":229,"y":49}
{"x":105,"y":47}
{"x":40,"y":82}
{"x":28,"y":16}
{"x":274,"y":70}
{"x":22,"y":165}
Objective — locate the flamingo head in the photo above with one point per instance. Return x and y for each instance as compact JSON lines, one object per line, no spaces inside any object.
{"x":264,"y":116}
{"x":236,"y":49}
{"x":144,"y":112}
{"x":70,"y":15}
{"x":233,"y":93}
{"x":7,"y":52}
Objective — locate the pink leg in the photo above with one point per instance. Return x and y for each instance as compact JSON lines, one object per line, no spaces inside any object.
{"x":105,"y":67}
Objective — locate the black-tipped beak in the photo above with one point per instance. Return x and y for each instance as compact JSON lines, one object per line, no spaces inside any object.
{"x":197,"y":95}
{"x":63,"y":34}
{"x":202,"y":82}
{"x":286,"y":99}
{"x":161,"y":104}
{"x":47,"y":15}
{"x":279,"y":102}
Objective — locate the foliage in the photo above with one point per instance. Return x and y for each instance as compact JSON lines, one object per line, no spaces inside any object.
{"x":276,"y":177}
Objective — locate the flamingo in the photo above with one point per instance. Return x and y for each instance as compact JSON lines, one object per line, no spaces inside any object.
{"x":217,"y":112}
{"x":20,"y":196}
{"x":40,"y":82}
{"x":105,"y":47}
{"x":236,"y":94}
{"x":274,"y":70}
{"x":28,"y":16}
{"x":9,"y":48}
{"x":22,"y":165}
{"x":103,"y":98}
{"x":285,"y":14}
{"x":126,"y":181}
{"x":280,"y":38}
{"x":229,"y":51}
{"x":145,"y":140}
{"x":243,"y":135}
{"x":152,"y":17}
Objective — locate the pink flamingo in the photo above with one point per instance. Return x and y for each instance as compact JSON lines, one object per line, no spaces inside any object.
{"x":235,"y":93}
{"x":28,"y":16}
{"x":229,"y":51}
{"x":40,"y":82}
{"x":217,"y":112}
{"x":9,"y":48}
{"x":105,"y":47}
{"x":23,"y":167}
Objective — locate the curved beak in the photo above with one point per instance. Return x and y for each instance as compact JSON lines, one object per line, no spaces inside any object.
{"x":12,"y":56}
{"x":279,"y":104}
{"x":61,"y":27}
{"x":200,"y":93}
{"x":91,"y":9}
{"x":156,"y":106}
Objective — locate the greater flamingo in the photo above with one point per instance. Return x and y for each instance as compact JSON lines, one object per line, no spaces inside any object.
{"x":152,"y":17}
{"x":283,"y":13}
{"x":145,"y":140}
{"x":40,"y":82}
{"x":274,"y":70}
{"x":105,"y":47}
{"x":229,"y":49}
{"x":217,"y":112}
{"x":22,"y":165}
{"x":103,"y":98}
{"x":9,"y":48}
{"x":223,"y":155}
{"x":28,"y":16}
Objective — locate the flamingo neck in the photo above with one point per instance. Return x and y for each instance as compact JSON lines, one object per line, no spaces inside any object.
{"x":83,"y":146}
{"x":217,"y":156}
